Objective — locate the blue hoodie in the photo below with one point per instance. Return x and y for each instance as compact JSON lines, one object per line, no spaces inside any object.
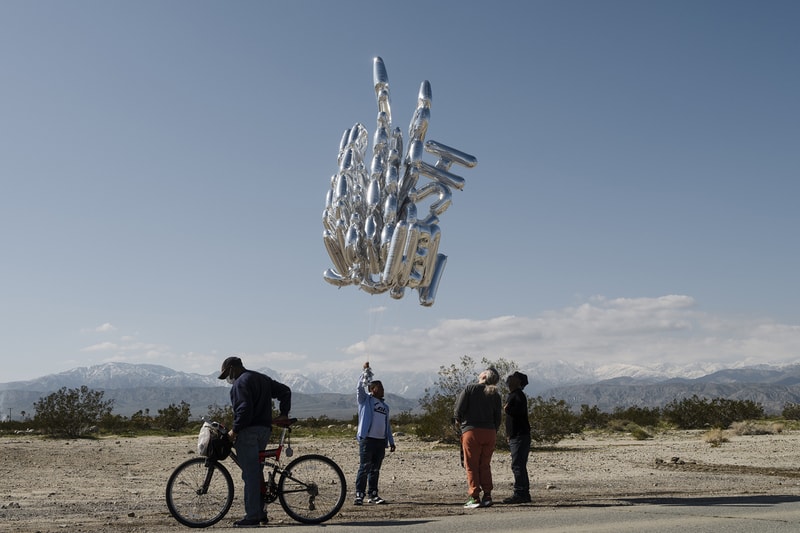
{"x":366,"y":406}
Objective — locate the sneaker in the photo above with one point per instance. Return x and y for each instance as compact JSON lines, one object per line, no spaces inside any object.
{"x":358,"y":501}
{"x":517,"y":498}
{"x":377,"y":500}
{"x":247,"y":522}
{"x":486,"y":501}
{"x":472,"y":503}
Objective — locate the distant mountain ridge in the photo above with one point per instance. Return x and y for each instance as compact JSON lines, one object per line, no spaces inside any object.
{"x":145,"y":386}
{"x":410,"y":384}
{"x":116,"y":376}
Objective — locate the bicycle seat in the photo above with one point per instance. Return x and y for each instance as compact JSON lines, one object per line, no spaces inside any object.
{"x":283,"y":422}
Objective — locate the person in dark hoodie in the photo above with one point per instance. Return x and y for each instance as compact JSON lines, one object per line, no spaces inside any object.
{"x":518,"y":429}
{"x":251,"y":398}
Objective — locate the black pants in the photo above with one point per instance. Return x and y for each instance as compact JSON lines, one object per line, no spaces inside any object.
{"x":371,"y":454}
{"x":520,"y":449}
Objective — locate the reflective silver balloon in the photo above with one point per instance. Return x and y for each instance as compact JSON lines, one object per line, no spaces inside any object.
{"x":371,"y":230}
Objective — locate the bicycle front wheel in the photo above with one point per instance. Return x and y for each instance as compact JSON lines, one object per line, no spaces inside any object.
{"x":312,"y":489}
{"x":199,"y":492}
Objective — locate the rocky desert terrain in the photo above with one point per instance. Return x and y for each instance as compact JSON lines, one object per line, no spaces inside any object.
{"x":116,"y":484}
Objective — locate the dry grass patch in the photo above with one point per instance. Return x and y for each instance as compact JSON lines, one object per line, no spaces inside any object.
{"x":756,"y":428}
{"x":715,"y":437}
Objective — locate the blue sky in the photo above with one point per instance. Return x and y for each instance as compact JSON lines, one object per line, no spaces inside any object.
{"x":165,"y":164}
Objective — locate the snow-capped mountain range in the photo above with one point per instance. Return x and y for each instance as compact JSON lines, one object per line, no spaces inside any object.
{"x":412,"y":385}
{"x":141,"y":386}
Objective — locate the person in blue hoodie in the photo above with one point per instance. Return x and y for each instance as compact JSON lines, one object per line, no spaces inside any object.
{"x":374,"y":435}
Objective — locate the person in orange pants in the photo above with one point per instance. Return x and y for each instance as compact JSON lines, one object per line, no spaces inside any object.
{"x":478,"y":411}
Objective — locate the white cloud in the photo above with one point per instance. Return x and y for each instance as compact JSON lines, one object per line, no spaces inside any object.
{"x":102,"y":328}
{"x":101,"y":347}
{"x":649,"y":332}
{"x":644,"y":331}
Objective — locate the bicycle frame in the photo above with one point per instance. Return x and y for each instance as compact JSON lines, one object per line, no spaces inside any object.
{"x":311,"y":488}
{"x":270,"y":459}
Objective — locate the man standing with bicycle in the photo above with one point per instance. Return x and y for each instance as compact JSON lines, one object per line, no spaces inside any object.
{"x":251,"y":398}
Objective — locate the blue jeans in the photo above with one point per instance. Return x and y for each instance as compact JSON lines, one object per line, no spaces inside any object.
{"x":520,"y":448}
{"x":371,"y":454}
{"x":248,"y":443}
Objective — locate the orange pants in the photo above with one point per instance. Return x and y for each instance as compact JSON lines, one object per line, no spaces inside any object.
{"x":478,"y":445}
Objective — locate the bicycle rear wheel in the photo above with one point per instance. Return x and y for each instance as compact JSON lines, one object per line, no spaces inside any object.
{"x":312,"y":489}
{"x":199,"y":492}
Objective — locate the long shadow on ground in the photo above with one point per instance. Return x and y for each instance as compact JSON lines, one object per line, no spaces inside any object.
{"x":702,"y":501}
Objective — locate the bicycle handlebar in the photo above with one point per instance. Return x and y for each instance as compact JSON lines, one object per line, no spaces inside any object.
{"x":280,"y":421}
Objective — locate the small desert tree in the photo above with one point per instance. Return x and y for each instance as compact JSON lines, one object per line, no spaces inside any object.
{"x":71,"y":412}
{"x":221,"y":414}
{"x":174,"y":417}
{"x":439,"y":401}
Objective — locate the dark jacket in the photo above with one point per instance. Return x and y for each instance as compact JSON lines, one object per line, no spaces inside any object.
{"x":476,"y":409}
{"x":517,"y":423}
{"x":251,"y":398}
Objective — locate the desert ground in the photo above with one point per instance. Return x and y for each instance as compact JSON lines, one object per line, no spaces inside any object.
{"x":116,"y":484}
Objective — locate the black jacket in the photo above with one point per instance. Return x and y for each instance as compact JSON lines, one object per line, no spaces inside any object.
{"x":251,"y":399}
{"x":517,"y":423}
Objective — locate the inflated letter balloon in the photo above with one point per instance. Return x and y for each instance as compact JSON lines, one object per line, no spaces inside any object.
{"x":371,"y":229}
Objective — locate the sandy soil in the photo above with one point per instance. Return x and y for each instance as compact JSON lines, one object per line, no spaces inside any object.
{"x":117,"y":483}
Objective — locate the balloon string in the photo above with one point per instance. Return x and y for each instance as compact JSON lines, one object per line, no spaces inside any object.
{"x":374,"y":316}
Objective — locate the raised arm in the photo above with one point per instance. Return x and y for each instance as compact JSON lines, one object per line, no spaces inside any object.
{"x":363,"y":384}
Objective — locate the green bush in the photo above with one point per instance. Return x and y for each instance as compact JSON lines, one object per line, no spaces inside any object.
{"x":551,"y":420}
{"x":223,"y":415}
{"x":592,"y":417}
{"x":174,"y":417}
{"x":71,"y":412}
{"x":319,"y":422}
{"x":404,"y":418}
{"x":141,"y":421}
{"x":698,"y":413}
{"x":642,"y":416}
{"x":791,"y":411}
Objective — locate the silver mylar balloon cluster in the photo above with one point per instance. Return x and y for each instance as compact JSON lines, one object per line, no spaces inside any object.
{"x":372,"y":231}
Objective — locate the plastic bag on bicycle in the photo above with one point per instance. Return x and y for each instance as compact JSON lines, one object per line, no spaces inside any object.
{"x":213,"y":443}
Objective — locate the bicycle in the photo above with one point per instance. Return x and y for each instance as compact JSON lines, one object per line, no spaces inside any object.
{"x":311,"y":488}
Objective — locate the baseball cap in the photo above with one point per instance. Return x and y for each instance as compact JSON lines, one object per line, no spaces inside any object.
{"x":227,"y":364}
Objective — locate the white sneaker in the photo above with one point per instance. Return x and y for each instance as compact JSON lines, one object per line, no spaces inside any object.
{"x":472,"y":503}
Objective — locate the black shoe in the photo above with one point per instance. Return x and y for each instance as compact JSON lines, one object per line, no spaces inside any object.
{"x":247,"y":522}
{"x":517,"y":498}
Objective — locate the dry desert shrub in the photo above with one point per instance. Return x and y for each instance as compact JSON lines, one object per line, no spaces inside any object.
{"x":639,"y":433}
{"x":755,"y":428}
{"x":715,"y":437}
